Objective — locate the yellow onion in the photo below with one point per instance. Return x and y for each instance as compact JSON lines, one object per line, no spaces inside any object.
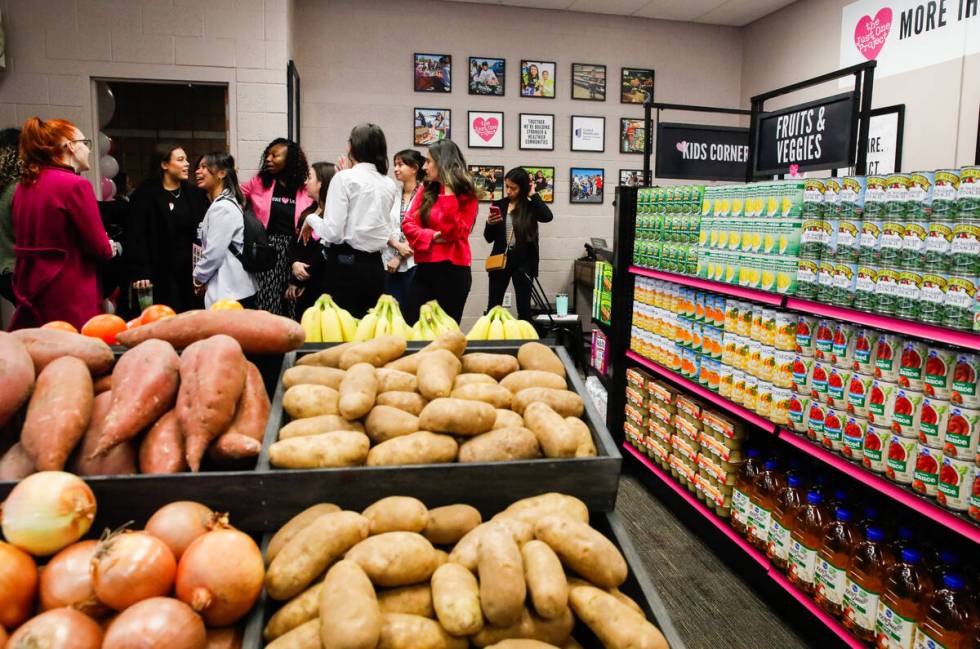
{"x":47,"y":512}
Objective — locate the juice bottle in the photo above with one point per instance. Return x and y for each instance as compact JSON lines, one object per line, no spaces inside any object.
{"x":949,"y":619}
{"x":945,"y":562}
{"x":788,"y":502}
{"x":903,"y":539}
{"x":870,"y":520}
{"x":806,"y":536}
{"x":903,"y":602}
{"x":766,"y":486}
{"x":866,"y":572}
{"x":839,"y":538}
{"x":742,"y":490}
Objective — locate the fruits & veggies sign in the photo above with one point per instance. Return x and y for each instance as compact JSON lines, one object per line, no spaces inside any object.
{"x":814,"y":135}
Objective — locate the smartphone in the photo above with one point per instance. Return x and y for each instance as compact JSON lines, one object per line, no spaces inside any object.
{"x":494,"y":212}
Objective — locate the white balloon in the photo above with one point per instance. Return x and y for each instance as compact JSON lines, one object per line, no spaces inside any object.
{"x":105,"y":143}
{"x":107,"y":103}
{"x":108,"y":166}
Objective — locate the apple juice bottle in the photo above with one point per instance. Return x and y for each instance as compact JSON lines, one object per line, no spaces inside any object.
{"x":866,"y":572}
{"x":788,"y":502}
{"x":806,"y":536}
{"x":839,"y":538}
{"x":903,"y":602}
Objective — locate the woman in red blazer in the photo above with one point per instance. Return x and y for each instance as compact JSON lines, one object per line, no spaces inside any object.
{"x":438,"y":229}
{"x":59,"y":239}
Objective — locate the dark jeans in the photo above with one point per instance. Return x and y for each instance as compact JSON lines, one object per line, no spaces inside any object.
{"x":499,"y":279}
{"x":7,"y":287}
{"x":442,"y":281}
{"x":354,"y":279}
{"x":397,"y":285}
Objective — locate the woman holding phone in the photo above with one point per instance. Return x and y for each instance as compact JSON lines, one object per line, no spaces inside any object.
{"x":512,"y":228}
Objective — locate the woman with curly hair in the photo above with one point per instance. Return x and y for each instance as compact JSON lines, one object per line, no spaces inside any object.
{"x":277,"y":195}
{"x":9,"y":173}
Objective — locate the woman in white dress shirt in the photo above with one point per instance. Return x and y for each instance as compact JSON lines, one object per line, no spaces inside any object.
{"x":356,"y":224}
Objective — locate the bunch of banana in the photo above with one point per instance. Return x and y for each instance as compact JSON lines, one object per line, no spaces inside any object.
{"x":384,"y":319}
{"x":499,"y":324}
{"x":433,"y":322}
{"x":325,"y":322}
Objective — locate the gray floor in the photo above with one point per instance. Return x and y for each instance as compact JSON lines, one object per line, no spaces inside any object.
{"x":710,"y":605}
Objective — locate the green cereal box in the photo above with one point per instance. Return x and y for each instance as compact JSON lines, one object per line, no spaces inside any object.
{"x":792,"y":199}
{"x":790,"y":232}
{"x":968,"y":196}
{"x":786,"y":277}
{"x":946,"y":186}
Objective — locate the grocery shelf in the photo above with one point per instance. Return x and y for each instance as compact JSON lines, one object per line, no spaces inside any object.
{"x":897,"y":493}
{"x":720,"y":401}
{"x":763,"y":297}
{"x":964,"y":339}
{"x":757,"y":556}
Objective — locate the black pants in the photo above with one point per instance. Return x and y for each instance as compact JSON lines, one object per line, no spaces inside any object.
{"x":499,"y":279}
{"x":354,"y":279}
{"x":442,"y":281}
{"x":7,"y":287}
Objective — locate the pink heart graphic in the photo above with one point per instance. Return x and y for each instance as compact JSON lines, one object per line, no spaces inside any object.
{"x":681,"y":146}
{"x":870,"y":34}
{"x":486,"y":128}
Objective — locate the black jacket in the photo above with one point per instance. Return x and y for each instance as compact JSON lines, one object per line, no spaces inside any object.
{"x":159,"y":249}
{"x":524,"y":254}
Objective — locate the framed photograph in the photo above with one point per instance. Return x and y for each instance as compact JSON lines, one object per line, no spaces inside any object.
{"x":486,"y":129}
{"x":537,"y":131}
{"x":487,"y":76}
{"x":636,"y":86}
{"x":632,"y":135}
{"x":433,"y":72}
{"x":585,"y":184}
{"x":538,"y":79}
{"x":489,"y":180}
{"x":588,"y":82}
{"x":431,"y":125}
{"x":631,"y":177}
{"x":588,"y":133}
{"x":544,"y":182}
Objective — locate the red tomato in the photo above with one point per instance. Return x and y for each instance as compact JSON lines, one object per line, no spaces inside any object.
{"x":104,"y":326}
{"x":60,"y":325}
{"x":156,"y":312}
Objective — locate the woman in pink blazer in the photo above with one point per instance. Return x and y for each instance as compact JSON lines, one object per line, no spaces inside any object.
{"x":59,"y":239}
{"x":277,"y":196}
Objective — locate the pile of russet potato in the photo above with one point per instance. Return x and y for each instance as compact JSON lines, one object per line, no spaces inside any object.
{"x":368,"y":403}
{"x":401,"y":576}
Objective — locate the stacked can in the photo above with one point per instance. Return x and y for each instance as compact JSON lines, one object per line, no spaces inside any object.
{"x":814,"y":239}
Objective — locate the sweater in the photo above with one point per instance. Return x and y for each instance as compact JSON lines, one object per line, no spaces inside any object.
{"x":453,"y":218}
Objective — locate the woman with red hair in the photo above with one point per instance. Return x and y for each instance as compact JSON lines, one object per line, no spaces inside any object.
{"x":59,"y":239}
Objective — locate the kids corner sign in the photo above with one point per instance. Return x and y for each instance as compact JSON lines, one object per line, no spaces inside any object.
{"x":904,"y":35}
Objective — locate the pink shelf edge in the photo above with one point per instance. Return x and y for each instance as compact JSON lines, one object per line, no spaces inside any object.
{"x":765,"y":297}
{"x":701,"y":509}
{"x":819,"y":613}
{"x":963,"y":339}
{"x":716,"y":399}
{"x":972,"y":532}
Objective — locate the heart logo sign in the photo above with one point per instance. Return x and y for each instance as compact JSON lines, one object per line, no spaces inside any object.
{"x":681,"y":146}
{"x":486,"y":128}
{"x":870,"y":33}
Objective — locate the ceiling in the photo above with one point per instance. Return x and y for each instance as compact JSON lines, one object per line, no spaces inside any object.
{"x":716,"y":12}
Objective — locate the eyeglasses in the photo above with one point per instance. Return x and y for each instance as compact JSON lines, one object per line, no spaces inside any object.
{"x":87,"y":142}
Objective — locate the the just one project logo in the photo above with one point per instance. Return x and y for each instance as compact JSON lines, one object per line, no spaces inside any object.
{"x":870,"y":33}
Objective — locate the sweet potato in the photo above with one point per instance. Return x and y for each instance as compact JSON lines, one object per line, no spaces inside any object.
{"x":120,"y":460}
{"x":400,"y":631}
{"x":385,"y":422}
{"x":467,"y":378}
{"x":614,"y":623}
{"x":501,"y":445}
{"x":299,"y":610}
{"x":294,"y":526}
{"x":447,"y":525}
{"x":565,"y":402}
{"x":234,"y":446}
{"x":396,"y":514}
{"x":302,"y":401}
{"x":212,"y":379}
{"x":456,"y":598}
{"x":103,"y":384}
{"x":496,"y":395}
{"x":535,"y":356}
{"x":334,"y":449}
{"x":16,"y":376}
{"x":329,"y":357}
{"x":410,"y":402}
{"x":144,"y":382}
{"x":312,"y":375}
{"x":395,"y":558}
{"x":501,"y":571}
{"x":554,"y":435}
{"x":396,"y":381}
{"x":436,"y":373}
{"x":458,"y":417}
{"x":257,"y":332}
{"x":162,"y":450}
{"x":410,"y":600}
{"x":586,"y":447}
{"x":317,"y":425}
{"x":58,"y":413}
{"x":358,"y":391}
{"x":46,"y":345}
{"x":507,"y":419}
{"x":252,"y":412}
{"x":350,"y":617}
{"x":496,"y":365}
{"x":533,"y":379}
{"x":16,"y":464}
{"x":377,"y":352}
{"x":583,"y":550}
{"x":421,"y":447}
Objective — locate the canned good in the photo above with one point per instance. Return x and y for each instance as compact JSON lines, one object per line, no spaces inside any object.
{"x":818,"y":381}
{"x":848,"y":238}
{"x":920,"y":193}
{"x":902,"y":453}
{"x":865,"y":290}
{"x":887,"y":356}
{"x":845,"y":283}
{"x":738,"y":386}
{"x":858,"y":392}
{"x":925,"y":477}
{"x":806,"y":328}
{"x":725,"y":380}
{"x":745,"y":317}
{"x":960,"y":306}
{"x":974,"y":510}
{"x":912,"y":364}
{"x":808,"y":278}
{"x":786,"y":327}
{"x":751,"y":392}
{"x":763,"y":399}
{"x":825,"y":281}
{"x":932,"y":417}
{"x":869,"y":242}
{"x":781,"y":400}
{"x":876,"y":448}
{"x":932,"y":298}
{"x":965,"y":373}
{"x":955,"y":483}
{"x":964,"y":248}
{"x":905,"y":413}
{"x":767,"y":362}
{"x":743,"y":353}
{"x":802,"y":374}
{"x":855,"y":428}
{"x":865,"y":343}
{"x":938,"y":244}
{"x":944,"y":192}
{"x":897,"y":195}
{"x":824,"y":343}
{"x":961,"y":432}
{"x":912,"y":255}
{"x":909,"y":294}
{"x":938,"y":373}
{"x":799,"y":412}
{"x":886,"y":287}
{"x":731,"y":315}
{"x":782,"y":372}
{"x":838,"y":382}
{"x":714,"y":374}
{"x":890,"y":243}
{"x":842,"y":351}
{"x":881,"y":403}
{"x":816,"y":415}
{"x":755,"y":358}
{"x":833,"y":429}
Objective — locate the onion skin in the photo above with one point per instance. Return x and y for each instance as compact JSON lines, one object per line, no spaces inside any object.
{"x":18,"y":584}
{"x":59,"y":628}
{"x":179,"y":524}
{"x":132,"y":566}
{"x":156,"y":623}
{"x":48,"y":511}
{"x":220,"y":576}
{"x":67,"y":580}
{"x":227,"y":638}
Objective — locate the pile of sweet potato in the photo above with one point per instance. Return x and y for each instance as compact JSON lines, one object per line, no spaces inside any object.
{"x":366,"y":403}
{"x":66,"y":404}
